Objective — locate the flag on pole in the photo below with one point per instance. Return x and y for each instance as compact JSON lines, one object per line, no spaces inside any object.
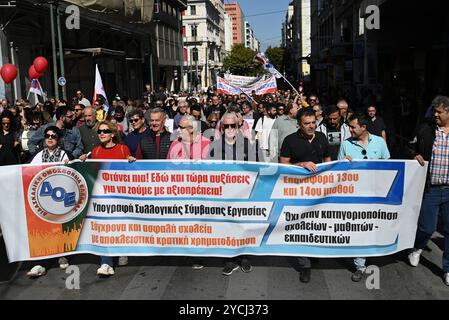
{"x":36,"y":90}
{"x":267,"y":65}
{"x":261,"y":59}
{"x":99,"y":92}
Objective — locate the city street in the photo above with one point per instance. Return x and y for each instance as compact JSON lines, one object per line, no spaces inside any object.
{"x":272,"y":278}
{"x":224,"y":127}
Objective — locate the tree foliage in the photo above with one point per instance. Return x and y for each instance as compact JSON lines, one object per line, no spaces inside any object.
{"x":241,"y":62}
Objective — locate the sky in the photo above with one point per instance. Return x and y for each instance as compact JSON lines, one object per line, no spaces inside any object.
{"x":267,"y":27}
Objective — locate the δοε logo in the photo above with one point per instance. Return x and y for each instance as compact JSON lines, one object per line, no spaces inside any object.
{"x":58,"y":194}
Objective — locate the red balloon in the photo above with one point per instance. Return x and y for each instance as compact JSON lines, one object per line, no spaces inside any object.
{"x":40,"y":64}
{"x":8,"y":73}
{"x":33,"y":74}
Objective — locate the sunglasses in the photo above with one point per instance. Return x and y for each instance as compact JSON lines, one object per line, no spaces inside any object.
{"x":6,"y":123}
{"x":227,"y":126}
{"x":105,"y":131}
{"x":182,"y":128}
{"x":78,"y":110}
{"x":134,"y":120}
{"x":364,"y":154}
{"x":51,"y":136}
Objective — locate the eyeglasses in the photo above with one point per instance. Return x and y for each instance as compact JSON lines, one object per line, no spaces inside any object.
{"x":105,"y":131}
{"x":134,"y":120}
{"x":364,"y":154}
{"x":227,"y":126}
{"x":51,"y":136}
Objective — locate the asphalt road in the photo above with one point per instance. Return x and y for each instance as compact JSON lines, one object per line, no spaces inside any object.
{"x":272,"y":278}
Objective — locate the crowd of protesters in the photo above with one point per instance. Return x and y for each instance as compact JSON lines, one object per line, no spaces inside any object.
{"x":286,"y":127}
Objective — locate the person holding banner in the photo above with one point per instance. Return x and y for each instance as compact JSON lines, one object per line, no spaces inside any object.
{"x":110,"y":148}
{"x":51,"y":153}
{"x":190,"y":145}
{"x":233,"y":146}
{"x":305,"y":148}
{"x":432,"y":145}
{"x":362,"y":146}
{"x":156,"y":143}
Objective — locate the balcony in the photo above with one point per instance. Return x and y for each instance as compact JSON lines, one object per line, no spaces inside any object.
{"x":200,"y":40}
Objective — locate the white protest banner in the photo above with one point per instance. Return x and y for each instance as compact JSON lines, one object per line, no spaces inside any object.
{"x":206,"y":208}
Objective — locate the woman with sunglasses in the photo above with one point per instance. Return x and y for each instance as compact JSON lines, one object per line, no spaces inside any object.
{"x":51,"y":153}
{"x":213,"y":119}
{"x":110,"y":148}
{"x":9,"y":140}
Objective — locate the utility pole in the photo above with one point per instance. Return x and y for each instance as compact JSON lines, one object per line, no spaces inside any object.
{"x":53,"y":43}
{"x":13,"y":61}
{"x":181,"y":76}
{"x":61,"y":54}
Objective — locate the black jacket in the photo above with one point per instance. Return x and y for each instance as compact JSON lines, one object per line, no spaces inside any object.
{"x":148,"y":146}
{"x":242,"y":150}
{"x":423,"y":145}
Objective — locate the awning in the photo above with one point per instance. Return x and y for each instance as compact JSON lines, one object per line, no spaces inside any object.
{"x":94,"y":52}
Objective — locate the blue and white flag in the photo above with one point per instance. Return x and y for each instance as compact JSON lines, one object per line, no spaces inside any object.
{"x":262,"y":60}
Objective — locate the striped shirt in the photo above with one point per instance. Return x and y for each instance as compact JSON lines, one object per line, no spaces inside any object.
{"x":439,"y":165}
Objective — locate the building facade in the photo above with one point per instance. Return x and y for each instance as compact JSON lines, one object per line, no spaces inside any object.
{"x":296,"y":33}
{"x":398,"y":63}
{"x":289,"y":44}
{"x":238,"y":22}
{"x":202,"y":44}
{"x":228,"y":34}
{"x":168,"y":43}
{"x":130,"y":48}
{"x":250,"y":38}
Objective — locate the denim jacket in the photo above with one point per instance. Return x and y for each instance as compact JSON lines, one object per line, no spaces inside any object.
{"x":70,"y":142}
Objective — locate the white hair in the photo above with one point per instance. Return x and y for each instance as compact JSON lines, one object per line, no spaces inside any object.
{"x":230,"y":115}
{"x":192,"y":121}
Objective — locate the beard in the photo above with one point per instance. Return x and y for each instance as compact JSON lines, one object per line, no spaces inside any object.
{"x":69,"y":125}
